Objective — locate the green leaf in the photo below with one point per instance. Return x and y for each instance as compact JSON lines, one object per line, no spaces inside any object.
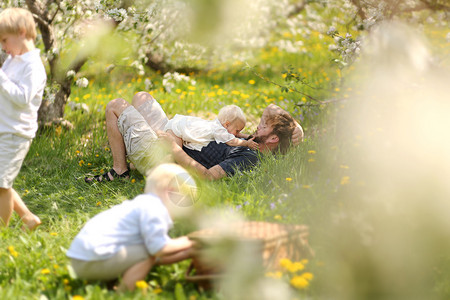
{"x":179,"y":292}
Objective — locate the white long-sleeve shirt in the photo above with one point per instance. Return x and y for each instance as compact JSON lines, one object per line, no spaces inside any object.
{"x":22,"y":83}
{"x":143,"y":220}
{"x":197,"y":133}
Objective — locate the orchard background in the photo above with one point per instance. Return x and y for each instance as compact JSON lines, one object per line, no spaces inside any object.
{"x":368,"y":81}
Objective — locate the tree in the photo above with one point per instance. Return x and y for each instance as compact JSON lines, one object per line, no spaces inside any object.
{"x":164,"y":35}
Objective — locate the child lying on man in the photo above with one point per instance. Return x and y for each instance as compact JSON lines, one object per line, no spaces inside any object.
{"x":195,"y":133}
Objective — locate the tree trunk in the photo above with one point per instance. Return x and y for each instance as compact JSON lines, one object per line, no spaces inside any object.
{"x":158,"y":63}
{"x":54,"y":111}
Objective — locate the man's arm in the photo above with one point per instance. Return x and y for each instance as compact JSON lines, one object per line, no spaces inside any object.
{"x":184,"y":160}
{"x":297,"y":134}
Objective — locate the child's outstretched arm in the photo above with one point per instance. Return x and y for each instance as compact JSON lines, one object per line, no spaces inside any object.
{"x":243,"y":143}
{"x":242,"y":135}
{"x":173,"y":246}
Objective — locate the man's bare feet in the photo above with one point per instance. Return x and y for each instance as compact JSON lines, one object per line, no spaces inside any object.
{"x":30,"y":222}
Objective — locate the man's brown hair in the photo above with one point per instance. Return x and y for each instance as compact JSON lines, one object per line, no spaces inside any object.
{"x":283,"y":126}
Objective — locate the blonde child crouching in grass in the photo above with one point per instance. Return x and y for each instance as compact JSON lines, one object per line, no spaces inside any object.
{"x":127,"y":240}
{"x":22,"y":83}
{"x":195,"y":133}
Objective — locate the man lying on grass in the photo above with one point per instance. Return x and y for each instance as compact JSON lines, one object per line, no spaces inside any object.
{"x":133,"y":131}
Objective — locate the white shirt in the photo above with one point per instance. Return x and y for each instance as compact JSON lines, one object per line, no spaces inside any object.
{"x":22,"y":83}
{"x":143,"y":220}
{"x":197,"y":133}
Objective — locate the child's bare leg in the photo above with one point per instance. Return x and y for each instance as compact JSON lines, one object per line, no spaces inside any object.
{"x":6,"y":206}
{"x":137,"y":272}
{"x":177,"y":139}
{"x":30,"y":220}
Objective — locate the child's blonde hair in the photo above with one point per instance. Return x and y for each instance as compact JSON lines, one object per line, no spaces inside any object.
{"x":231,"y":113}
{"x":175,"y":180}
{"x":16,"y":21}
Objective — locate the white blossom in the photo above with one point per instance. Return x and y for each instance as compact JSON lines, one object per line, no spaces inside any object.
{"x":148,"y":84}
{"x":82,"y":82}
{"x":70,"y":73}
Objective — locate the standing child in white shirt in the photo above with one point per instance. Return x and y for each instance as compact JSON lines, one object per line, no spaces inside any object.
{"x":127,"y":240}
{"x":22,"y":83}
{"x":195,"y":133}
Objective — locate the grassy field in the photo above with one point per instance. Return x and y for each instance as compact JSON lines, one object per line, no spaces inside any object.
{"x":304,"y":187}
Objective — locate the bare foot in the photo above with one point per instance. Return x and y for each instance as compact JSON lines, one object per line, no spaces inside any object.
{"x":30,"y":222}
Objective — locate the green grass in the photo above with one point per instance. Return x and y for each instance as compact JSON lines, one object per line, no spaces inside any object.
{"x":303,"y":187}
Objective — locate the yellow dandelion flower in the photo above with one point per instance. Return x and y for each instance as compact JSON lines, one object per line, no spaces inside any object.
{"x":107,"y":149}
{"x":235,"y":92}
{"x":345,"y":180}
{"x":98,"y":203}
{"x":96,"y":155}
{"x":308,"y":276}
{"x":192,"y":88}
{"x":299,"y":282}
{"x":53,"y":233}
{"x":178,"y":91}
{"x":141,"y":284}
{"x":251,"y":81}
{"x":133,"y":180}
{"x":55,"y":266}
{"x":12,"y":251}
{"x":312,"y":151}
{"x":157,"y":291}
{"x":288,"y":179}
{"x":81,"y":163}
{"x":45,"y":271}
{"x":278,"y":217}
{"x":295,"y":267}
{"x":189,"y":111}
{"x":66,"y":281}
{"x":77,"y":297}
{"x":337,"y":89}
{"x":285,"y":262}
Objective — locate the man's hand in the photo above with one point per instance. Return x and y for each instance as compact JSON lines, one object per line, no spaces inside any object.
{"x":297,"y":135}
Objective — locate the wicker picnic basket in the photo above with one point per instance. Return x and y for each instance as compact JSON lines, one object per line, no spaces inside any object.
{"x":270,"y":243}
